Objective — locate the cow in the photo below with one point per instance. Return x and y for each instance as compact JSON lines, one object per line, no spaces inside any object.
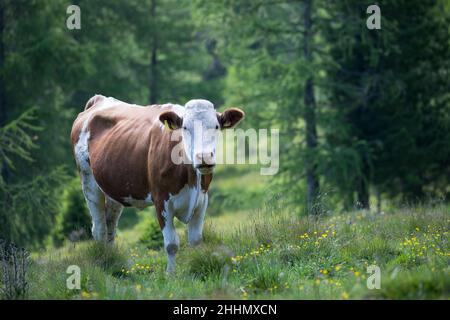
{"x":125,"y":156}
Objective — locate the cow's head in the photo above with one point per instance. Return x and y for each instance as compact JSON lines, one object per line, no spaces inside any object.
{"x":200,"y":125}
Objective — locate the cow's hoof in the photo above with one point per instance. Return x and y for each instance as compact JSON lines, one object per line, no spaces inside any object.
{"x":196,"y":242}
{"x":171,"y":249}
{"x":170,"y":271}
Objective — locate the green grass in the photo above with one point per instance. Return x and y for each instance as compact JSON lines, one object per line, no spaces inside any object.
{"x":266,"y":255}
{"x":255,"y":251}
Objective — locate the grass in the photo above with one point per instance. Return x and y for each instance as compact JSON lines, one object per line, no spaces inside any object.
{"x":255,"y":251}
{"x":267,"y":255}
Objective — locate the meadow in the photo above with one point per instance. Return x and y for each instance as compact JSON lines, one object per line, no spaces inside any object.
{"x":359,"y":122}
{"x":263,"y":251}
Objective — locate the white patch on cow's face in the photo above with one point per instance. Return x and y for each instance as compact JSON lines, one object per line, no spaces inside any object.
{"x":200,"y":132}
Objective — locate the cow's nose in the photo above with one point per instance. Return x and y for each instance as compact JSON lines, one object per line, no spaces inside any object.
{"x":205,"y":159}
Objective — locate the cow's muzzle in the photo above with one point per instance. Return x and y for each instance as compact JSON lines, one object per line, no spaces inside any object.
{"x":206,"y":159}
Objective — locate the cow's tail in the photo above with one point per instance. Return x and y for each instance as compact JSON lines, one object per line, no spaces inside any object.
{"x":92,"y":101}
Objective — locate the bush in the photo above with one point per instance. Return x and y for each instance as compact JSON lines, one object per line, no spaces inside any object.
{"x":266,"y":279}
{"x":74,"y":220}
{"x":206,"y":261}
{"x":111,"y":259}
{"x":152,"y":236}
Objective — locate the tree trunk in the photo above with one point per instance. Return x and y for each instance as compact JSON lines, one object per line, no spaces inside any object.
{"x":378,"y":195}
{"x":153,"y":86}
{"x":3,"y":115}
{"x":4,"y":169}
{"x":363,"y":187}
{"x":312,"y":179}
{"x":363,"y":195}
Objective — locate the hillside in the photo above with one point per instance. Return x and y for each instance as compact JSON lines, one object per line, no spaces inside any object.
{"x":263,"y":252}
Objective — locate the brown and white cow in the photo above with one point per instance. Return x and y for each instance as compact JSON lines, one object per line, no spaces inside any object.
{"x":124,"y":153}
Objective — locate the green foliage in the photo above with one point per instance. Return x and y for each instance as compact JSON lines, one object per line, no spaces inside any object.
{"x":151,"y":236}
{"x":26,"y":205}
{"x":384,"y":113}
{"x":74,"y":221}
{"x":30,"y":208}
{"x":208,"y":261}
{"x":109,"y":258}
{"x":373,"y":113}
{"x":16,"y":140}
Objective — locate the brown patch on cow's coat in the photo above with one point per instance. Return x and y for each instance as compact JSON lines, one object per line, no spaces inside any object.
{"x":205,"y":181}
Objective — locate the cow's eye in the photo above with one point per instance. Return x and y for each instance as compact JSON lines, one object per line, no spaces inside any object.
{"x":184,"y":128}
{"x":217,"y":126}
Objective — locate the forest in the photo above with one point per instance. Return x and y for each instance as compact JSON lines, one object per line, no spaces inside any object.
{"x":364,"y":153}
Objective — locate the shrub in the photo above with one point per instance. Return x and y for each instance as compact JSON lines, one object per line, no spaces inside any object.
{"x":205,"y":261}
{"x":109,"y":258}
{"x":74,"y":220}
{"x":152,"y":236}
{"x":266,"y":279}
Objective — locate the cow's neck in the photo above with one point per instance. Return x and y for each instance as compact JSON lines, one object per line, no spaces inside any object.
{"x":205,"y":180}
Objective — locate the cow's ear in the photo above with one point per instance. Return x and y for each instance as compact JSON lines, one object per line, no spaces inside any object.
{"x":171,"y":120}
{"x":230,"y":118}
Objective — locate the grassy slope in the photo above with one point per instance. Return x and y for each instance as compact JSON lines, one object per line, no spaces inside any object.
{"x":268,"y":253}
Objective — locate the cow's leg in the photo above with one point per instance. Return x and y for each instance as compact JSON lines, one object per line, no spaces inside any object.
{"x":195,"y":226}
{"x":171,"y":239}
{"x":95,"y":200}
{"x":171,"y":243}
{"x":113,"y":212}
